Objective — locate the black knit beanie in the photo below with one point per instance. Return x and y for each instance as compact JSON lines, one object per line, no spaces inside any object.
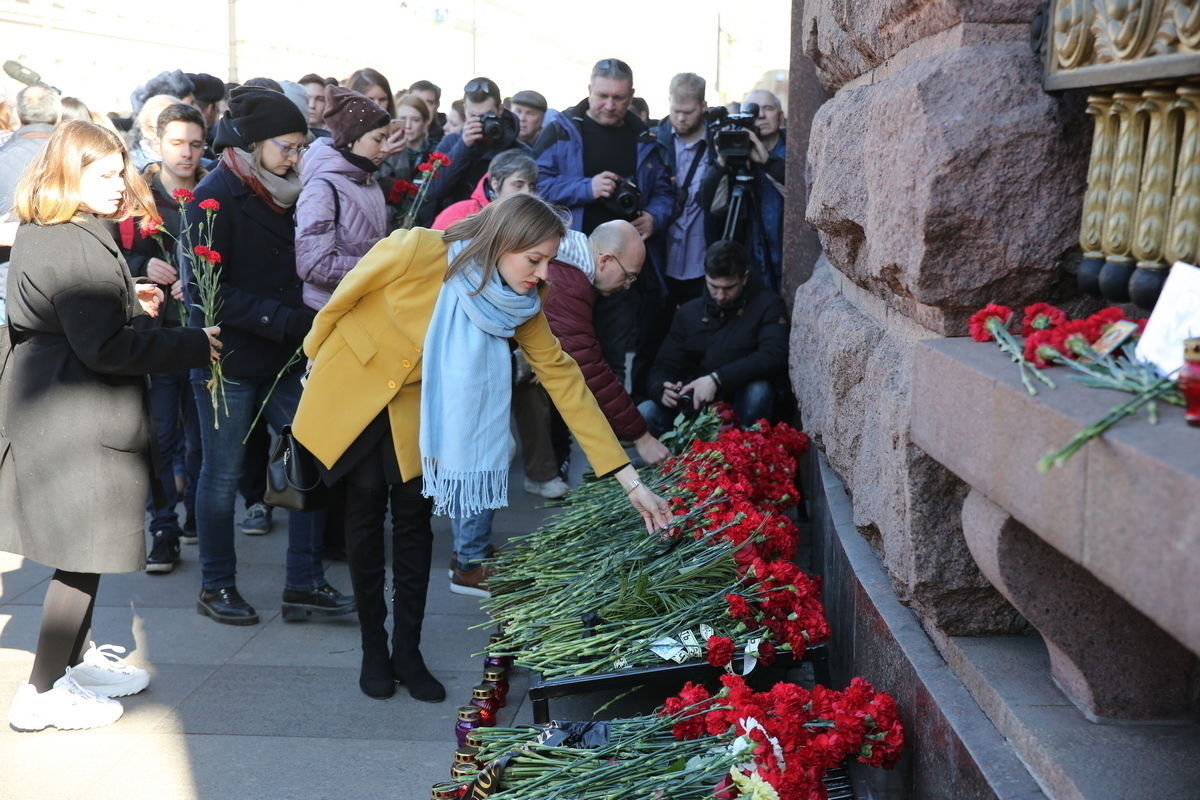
{"x":350,"y":115}
{"x":259,"y":114}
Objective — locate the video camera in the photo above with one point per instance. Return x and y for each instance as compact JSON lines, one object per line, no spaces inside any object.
{"x":730,"y":133}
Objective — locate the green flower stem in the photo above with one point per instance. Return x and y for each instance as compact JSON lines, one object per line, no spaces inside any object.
{"x":1009,"y":345}
{"x":1059,"y":457}
{"x":292,"y":360}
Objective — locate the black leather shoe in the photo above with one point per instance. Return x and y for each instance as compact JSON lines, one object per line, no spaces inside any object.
{"x":324,"y":601}
{"x":226,"y":606}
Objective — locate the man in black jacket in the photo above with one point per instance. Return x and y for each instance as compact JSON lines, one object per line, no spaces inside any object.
{"x":730,"y":344}
{"x":151,"y":255}
{"x":489,"y":130}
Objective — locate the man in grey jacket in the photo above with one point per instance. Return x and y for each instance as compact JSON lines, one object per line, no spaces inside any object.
{"x":39,"y":109}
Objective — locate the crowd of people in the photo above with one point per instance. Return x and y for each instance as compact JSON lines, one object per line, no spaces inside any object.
{"x":395,"y":341}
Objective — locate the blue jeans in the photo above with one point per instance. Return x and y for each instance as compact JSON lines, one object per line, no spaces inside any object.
{"x":222,"y":466}
{"x":472,"y":535}
{"x":754,"y":401}
{"x":173,"y":407}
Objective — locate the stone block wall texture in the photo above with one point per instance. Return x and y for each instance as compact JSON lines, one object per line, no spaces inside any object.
{"x":940,"y":178}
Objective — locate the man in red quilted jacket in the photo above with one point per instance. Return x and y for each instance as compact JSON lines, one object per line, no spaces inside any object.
{"x":604,"y":263}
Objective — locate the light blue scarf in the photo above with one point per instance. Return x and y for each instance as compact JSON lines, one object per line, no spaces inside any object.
{"x":466,"y":391}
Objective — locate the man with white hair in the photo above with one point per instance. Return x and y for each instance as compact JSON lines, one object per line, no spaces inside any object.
{"x":39,"y":109}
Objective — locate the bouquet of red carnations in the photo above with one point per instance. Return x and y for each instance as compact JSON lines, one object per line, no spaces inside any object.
{"x":737,"y":743}
{"x":590,"y":592}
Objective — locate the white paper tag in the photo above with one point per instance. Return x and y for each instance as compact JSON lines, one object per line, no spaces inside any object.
{"x":1176,"y":317}
{"x":707,"y":632}
{"x":620,"y":663}
{"x":667,"y":649}
{"x":694,"y":650}
{"x":750,"y":661}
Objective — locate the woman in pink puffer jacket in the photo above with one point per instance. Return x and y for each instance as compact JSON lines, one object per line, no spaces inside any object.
{"x":511,"y":172}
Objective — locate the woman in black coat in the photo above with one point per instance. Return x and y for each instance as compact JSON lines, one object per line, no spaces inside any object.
{"x":264,"y":320}
{"x":74,"y":430}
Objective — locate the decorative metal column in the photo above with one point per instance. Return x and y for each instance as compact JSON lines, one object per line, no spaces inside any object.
{"x":1141,"y":212}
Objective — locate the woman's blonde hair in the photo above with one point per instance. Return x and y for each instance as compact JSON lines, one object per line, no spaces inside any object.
{"x":48,"y":192}
{"x":510,"y":225}
{"x":413,"y":101}
{"x":147,"y":118}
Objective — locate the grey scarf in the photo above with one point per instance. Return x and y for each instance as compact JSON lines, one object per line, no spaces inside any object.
{"x":285,"y":191}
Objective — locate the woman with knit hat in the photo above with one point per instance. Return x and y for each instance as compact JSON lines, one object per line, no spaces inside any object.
{"x":260,"y":140}
{"x":341,"y":213}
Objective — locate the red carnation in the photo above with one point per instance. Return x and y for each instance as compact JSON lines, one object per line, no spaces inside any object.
{"x":1043,"y":347}
{"x":425,"y":166}
{"x":982,"y":321}
{"x":210,"y":205}
{"x":738,"y":607}
{"x":400,"y":190}
{"x":1040,"y":317}
{"x":1103,"y":319}
{"x":213,"y":256}
{"x":440,"y":158}
{"x":720,"y":650}
{"x":183,"y":196}
{"x":201,"y":250}
{"x":151,"y":226}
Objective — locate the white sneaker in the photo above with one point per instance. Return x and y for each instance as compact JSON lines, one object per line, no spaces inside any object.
{"x":67,"y":706}
{"x":104,"y":672}
{"x":552,"y":489}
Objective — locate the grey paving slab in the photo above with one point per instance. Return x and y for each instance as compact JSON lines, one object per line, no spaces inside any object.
{"x":280,"y":768}
{"x":270,"y":711}
{"x":304,"y":701}
{"x":149,"y":711}
{"x":32,"y":764}
{"x":151,"y":635}
{"x":19,"y":577}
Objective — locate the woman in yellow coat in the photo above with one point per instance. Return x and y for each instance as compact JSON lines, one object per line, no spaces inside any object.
{"x":408,"y":402}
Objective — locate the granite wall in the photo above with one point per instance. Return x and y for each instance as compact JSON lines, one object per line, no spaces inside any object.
{"x":939,"y":177}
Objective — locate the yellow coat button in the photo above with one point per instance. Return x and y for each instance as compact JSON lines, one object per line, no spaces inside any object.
{"x":391,"y":384}
{"x":406,"y":363}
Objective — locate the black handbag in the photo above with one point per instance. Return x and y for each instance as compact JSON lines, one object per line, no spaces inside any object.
{"x":293,"y":480}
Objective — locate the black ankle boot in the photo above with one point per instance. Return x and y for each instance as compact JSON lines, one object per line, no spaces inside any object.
{"x":375,"y":678}
{"x":410,"y":669}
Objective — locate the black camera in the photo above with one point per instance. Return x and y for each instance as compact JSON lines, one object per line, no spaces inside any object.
{"x":624,"y":200}
{"x":493,"y":128}
{"x":687,"y":406}
{"x":730,"y":133}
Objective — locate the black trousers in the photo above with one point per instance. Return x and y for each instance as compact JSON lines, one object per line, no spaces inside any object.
{"x":367,"y":497}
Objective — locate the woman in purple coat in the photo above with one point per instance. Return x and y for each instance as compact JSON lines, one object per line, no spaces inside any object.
{"x":341,"y":213}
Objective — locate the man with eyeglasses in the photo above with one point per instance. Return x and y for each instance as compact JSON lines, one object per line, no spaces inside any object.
{"x":604,"y":264}
{"x":730,"y":344}
{"x":586,"y":159}
{"x":489,"y":130}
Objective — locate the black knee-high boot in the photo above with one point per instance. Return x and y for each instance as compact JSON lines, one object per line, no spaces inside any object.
{"x":363,"y":515}
{"x":412,"y":552}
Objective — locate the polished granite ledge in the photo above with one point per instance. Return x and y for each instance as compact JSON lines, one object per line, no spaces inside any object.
{"x":1126,"y":507}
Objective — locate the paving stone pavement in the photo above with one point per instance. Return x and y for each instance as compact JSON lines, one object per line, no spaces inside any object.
{"x":264,"y":712}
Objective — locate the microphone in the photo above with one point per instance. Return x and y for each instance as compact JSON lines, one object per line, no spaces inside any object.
{"x":23,"y":74}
